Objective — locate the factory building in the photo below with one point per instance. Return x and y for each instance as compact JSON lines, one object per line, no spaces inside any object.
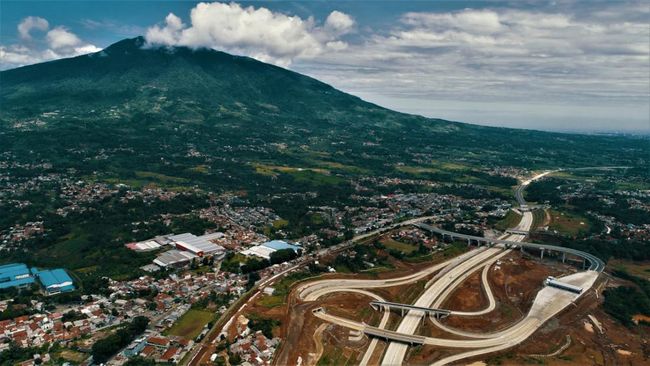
{"x":19,"y":275}
{"x":264,"y":250}
{"x":54,"y":281}
{"x":198,"y":245}
{"x":174,"y":258}
{"x":15,"y":275}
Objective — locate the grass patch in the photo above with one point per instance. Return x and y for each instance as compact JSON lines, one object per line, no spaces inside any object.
{"x":203,"y":169}
{"x":416,"y":170}
{"x":455,"y":249}
{"x":191,"y":324}
{"x":639,"y":269}
{"x":157,"y":177}
{"x":72,"y":356}
{"x":511,"y":220}
{"x":568,"y":224}
{"x":398,"y":245}
{"x":279,"y":224}
{"x":539,"y":216}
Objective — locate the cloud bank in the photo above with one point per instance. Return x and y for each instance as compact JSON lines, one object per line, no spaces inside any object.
{"x":526,"y":61}
{"x":257,"y":32}
{"x":55,"y":43}
{"x":555,"y":65}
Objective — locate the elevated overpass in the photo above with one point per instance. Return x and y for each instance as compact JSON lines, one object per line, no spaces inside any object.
{"x":518,"y":232}
{"x":390,"y":335}
{"x":438,"y":313}
{"x":595,"y":264}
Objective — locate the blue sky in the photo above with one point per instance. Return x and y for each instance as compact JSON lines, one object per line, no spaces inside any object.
{"x":553,"y":65}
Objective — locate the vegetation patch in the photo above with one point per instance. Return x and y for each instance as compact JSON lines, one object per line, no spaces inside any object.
{"x":190,"y":325}
{"x":398,"y":245}
{"x":569,"y":224}
{"x":282,"y":288}
{"x":511,"y":220}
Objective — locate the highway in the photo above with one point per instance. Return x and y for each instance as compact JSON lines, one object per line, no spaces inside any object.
{"x":595,"y":263}
{"x":447,"y":277}
{"x":199,"y":351}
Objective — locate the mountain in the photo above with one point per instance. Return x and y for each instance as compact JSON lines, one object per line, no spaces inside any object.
{"x":163,"y":110}
{"x":182,"y":96}
{"x":199,"y":121}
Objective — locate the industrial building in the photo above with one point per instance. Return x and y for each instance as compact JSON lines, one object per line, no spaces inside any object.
{"x":54,"y":281}
{"x":199,"y":245}
{"x":184,"y":248}
{"x":174,"y":258}
{"x":20,"y":276}
{"x":144,"y":246}
{"x":264,"y":250}
{"x":15,"y":275}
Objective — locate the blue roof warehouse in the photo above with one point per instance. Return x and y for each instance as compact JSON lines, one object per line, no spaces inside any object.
{"x":19,"y":275}
{"x":15,"y":275}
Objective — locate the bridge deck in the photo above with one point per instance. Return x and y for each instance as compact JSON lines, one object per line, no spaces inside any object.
{"x":595,"y":264}
{"x":393,"y":336}
{"x":410,"y":307}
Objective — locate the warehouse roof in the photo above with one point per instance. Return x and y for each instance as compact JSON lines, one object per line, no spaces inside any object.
{"x":10,"y":271}
{"x":173,"y":256}
{"x":259,"y":251}
{"x":15,"y":283}
{"x":56,"y":278}
{"x":196,"y":244}
{"x":279,"y":244}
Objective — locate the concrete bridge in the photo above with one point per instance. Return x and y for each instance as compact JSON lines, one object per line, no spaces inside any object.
{"x":390,"y":335}
{"x":517,"y":232}
{"x":437,"y":313}
{"x":595,"y":264}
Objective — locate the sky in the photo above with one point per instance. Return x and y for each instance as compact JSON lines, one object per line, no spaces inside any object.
{"x":579,"y":66}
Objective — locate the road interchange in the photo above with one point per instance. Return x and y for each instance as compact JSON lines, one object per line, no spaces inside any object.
{"x":448,"y":276}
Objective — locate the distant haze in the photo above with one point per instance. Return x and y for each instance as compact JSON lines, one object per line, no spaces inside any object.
{"x":561,"y":66}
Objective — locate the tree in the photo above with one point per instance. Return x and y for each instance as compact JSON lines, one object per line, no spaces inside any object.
{"x":283,"y":255}
{"x":252,"y":278}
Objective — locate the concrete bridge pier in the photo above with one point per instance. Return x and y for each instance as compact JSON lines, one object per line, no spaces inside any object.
{"x":563,"y":257}
{"x":541,"y":255}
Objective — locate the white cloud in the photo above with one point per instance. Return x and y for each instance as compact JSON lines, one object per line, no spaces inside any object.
{"x":167,"y":35}
{"x":562,"y":61}
{"x":258,"y":32}
{"x":29,"y":23}
{"x":57,"y":43}
{"x":59,"y":38}
{"x":338,"y":23}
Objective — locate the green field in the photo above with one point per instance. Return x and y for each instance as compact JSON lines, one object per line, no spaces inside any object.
{"x":191,"y":323}
{"x":568,"y":224}
{"x":511,"y":220}
{"x":397,"y":245}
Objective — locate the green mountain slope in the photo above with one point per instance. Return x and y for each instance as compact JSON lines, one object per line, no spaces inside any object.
{"x":161,"y":102}
{"x":201,"y":120}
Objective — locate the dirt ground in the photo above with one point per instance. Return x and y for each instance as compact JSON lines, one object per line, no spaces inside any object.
{"x":469,"y":296}
{"x":298,"y":322}
{"x":515,"y":282}
{"x":617,"y":345}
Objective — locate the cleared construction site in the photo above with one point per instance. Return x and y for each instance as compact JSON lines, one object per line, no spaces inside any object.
{"x":491,"y":298}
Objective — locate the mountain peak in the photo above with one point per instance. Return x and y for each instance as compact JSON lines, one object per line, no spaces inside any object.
{"x":128,"y":44}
